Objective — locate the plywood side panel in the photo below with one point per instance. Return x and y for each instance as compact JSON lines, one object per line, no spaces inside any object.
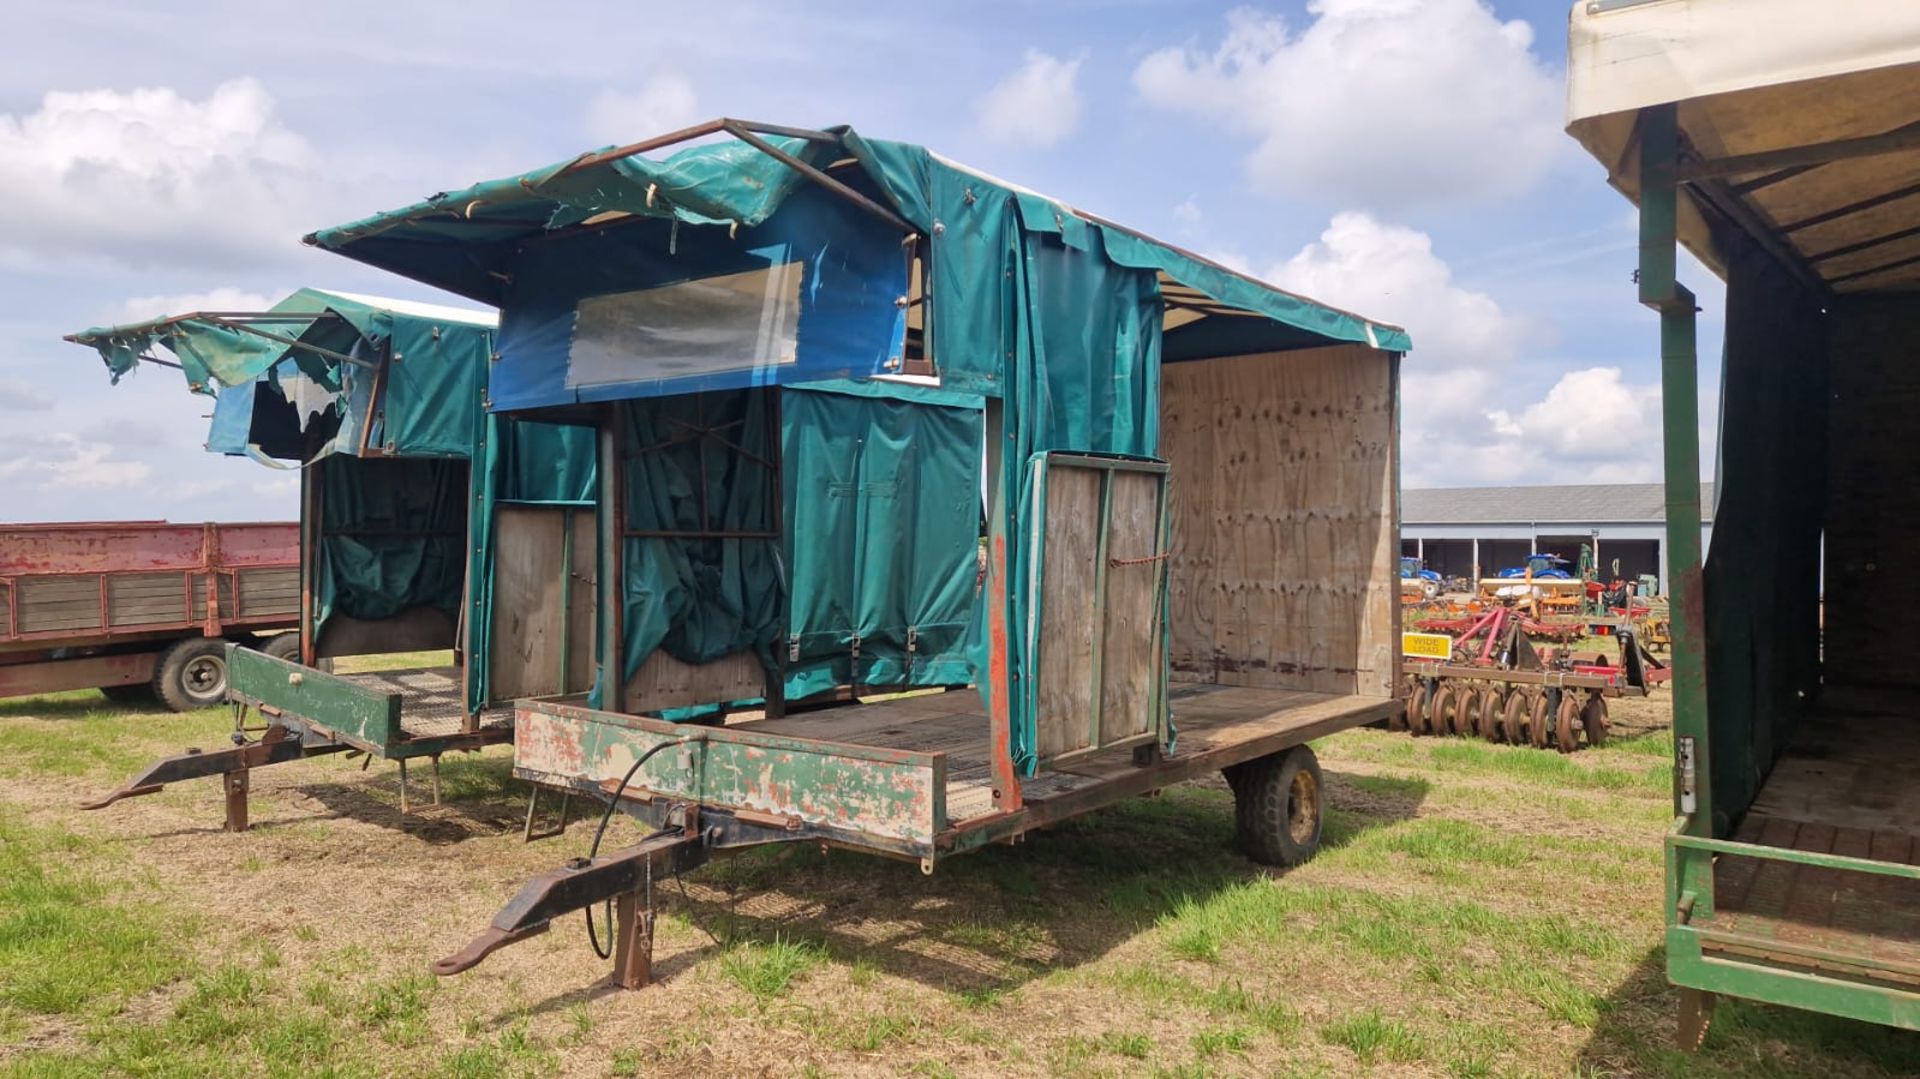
{"x":1284,"y":519}
{"x":539,"y":598}
{"x":1129,"y":662}
{"x":665,"y":682}
{"x":1063,"y":715}
{"x":581,"y":657}
{"x":1193,"y":593}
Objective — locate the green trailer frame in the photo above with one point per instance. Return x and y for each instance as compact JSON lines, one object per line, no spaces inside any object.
{"x":1793,"y":862}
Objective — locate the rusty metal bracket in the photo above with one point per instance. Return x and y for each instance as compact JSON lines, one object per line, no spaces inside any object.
{"x":278,"y":744}
{"x":575,"y":887}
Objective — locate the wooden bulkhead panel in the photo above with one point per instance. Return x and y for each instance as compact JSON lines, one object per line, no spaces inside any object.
{"x":1284,"y":549}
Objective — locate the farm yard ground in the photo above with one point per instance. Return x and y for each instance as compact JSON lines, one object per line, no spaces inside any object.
{"x":1477,"y":910}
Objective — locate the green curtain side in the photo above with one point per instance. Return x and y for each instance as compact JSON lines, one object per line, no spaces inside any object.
{"x":393,"y":536}
{"x":1762,"y":571}
{"x":882,"y":535}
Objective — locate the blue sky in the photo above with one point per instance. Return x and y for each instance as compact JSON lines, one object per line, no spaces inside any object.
{"x":1403,"y":158}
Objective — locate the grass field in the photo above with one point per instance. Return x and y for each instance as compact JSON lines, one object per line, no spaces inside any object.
{"x":1478,"y":910}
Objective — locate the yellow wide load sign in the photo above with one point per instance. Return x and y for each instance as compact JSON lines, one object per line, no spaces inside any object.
{"x":1426,"y":645}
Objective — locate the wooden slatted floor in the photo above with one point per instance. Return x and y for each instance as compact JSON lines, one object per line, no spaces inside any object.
{"x":1214,"y":723}
{"x":435,"y":704}
{"x":1849,"y":785}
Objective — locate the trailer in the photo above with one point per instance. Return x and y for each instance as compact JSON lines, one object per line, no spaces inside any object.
{"x":134,"y":608}
{"x":1190,"y":487}
{"x":386,"y":497}
{"x":378,"y":403}
{"x":1776,"y":140}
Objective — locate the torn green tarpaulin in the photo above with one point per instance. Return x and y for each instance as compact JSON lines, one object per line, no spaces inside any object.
{"x":412,"y":359}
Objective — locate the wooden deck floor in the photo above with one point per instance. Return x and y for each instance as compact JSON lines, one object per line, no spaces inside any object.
{"x":1217,"y":725}
{"x":1849,"y":785}
{"x":435,"y":704}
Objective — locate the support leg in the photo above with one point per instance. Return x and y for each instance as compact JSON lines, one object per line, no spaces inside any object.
{"x":633,"y":954}
{"x":1696,"y":1012}
{"x":237,"y":783}
{"x":435,"y":759}
{"x":404,"y":807}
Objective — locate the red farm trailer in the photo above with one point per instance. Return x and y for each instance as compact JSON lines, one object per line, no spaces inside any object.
{"x":136,"y":606}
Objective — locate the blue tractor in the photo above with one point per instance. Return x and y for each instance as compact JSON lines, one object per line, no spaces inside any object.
{"x":1413,"y":571}
{"x":1544,"y":566}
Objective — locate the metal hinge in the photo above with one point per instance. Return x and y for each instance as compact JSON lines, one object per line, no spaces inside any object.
{"x":1688,"y":777}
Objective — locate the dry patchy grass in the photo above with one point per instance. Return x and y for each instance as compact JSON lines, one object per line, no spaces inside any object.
{"x":1477,"y":911}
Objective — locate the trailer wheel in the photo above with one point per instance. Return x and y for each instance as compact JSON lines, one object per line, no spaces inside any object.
{"x":192,"y":674}
{"x":1593,"y":716}
{"x":284,"y":646}
{"x":1278,"y":807}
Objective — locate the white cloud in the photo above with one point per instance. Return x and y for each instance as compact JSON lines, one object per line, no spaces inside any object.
{"x":666,"y":102}
{"x":1390,"y":272}
{"x":225,"y":298}
{"x":1586,"y":416}
{"x":62,"y":460}
{"x":19,"y":395}
{"x":149,"y":175}
{"x":1468,"y":411}
{"x":1037,"y":105}
{"x":1384,"y":103}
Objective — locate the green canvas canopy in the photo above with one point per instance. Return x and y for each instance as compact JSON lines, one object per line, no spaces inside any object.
{"x":383,"y":399}
{"x":346,"y":373}
{"x":796,"y":255}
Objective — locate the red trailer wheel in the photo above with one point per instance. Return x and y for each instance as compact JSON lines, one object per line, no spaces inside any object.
{"x":1566,"y":724}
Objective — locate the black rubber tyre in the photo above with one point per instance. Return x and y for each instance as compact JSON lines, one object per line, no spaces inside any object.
{"x":139,"y":693}
{"x":1278,"y":806}
{"x":192,"y":674}
{"x":285,"y":646}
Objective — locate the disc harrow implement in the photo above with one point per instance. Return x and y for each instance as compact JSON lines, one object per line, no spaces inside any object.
{"x":1489,"y":680}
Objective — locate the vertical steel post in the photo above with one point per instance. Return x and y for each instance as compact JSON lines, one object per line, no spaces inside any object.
{"x":610,"y":524}
{"x":1680,"y":408}
{"x":310,"y":511}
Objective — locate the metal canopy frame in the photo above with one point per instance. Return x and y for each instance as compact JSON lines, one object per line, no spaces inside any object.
{"x":241,"y":321}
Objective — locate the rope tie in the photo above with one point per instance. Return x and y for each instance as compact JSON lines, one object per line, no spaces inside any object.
{"x":1116,"y":563}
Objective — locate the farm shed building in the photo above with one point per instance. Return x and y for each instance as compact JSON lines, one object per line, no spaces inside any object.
{"x":1478,"y":531}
